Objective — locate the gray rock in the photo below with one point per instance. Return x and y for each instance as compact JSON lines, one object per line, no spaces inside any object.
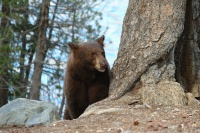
{"x":25,"y":112}
{"x":195,"y":89}
{"x":100,"y":110}
{"x":192,"y":101}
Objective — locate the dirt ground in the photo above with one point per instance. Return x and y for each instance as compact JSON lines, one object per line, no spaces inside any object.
{"x":126,"y":120}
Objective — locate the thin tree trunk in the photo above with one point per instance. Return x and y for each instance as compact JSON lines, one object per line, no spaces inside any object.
{"x":52,"y":23}
{"x":31,"y":51}
{"x":62,"y":105}
{"x":41,"y":51}
{"x":73,"y":26}
{"x":49,"y":39}
{"x":21,"y":92}
{"x":4,"y":55}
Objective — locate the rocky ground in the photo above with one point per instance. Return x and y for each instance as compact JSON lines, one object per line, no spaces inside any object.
{"x":125,"y":115}
{"x":126,"y":120}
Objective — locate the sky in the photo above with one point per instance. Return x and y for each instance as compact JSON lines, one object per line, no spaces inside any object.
{"x":113,"y":16}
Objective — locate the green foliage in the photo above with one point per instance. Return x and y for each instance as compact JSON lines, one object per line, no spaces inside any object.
{"x":58,"y":87}
{"x":4,"y":60}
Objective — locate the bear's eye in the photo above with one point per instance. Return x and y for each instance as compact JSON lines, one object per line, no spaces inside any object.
{"x":93,"y":53}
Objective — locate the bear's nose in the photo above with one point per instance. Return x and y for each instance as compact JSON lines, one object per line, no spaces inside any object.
{"x":102,"y":64}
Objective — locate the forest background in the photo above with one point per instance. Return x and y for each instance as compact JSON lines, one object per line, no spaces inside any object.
{"x":33,"y":42}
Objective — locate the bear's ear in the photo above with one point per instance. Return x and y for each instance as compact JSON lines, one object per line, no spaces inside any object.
{"x":73,"y":46}
{"x":100,"y":40}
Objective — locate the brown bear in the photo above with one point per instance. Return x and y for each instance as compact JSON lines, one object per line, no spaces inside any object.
{"x":87,"y":77}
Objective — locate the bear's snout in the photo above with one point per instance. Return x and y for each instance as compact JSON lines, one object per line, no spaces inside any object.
{"x":103,"y":64}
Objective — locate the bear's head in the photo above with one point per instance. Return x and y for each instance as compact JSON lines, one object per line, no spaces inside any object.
{"x":90,"y":55}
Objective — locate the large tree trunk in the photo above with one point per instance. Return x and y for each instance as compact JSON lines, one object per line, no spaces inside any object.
{"x":151,"y":29}
{"x":41,"y":51}
{"x":4,"y":53}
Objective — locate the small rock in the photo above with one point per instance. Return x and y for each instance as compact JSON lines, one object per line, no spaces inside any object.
{"x":136,"y":123}
{"x":176,"y":109}
{"x":140,"y":106}
{"x":192,"y":101}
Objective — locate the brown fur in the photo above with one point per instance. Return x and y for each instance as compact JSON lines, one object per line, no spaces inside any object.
{"x":87,"y":77}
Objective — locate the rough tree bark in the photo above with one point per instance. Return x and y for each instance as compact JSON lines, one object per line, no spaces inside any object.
{"x":150,"y":32}
{"x":159,"y":52}
{"x":41,"y":51}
